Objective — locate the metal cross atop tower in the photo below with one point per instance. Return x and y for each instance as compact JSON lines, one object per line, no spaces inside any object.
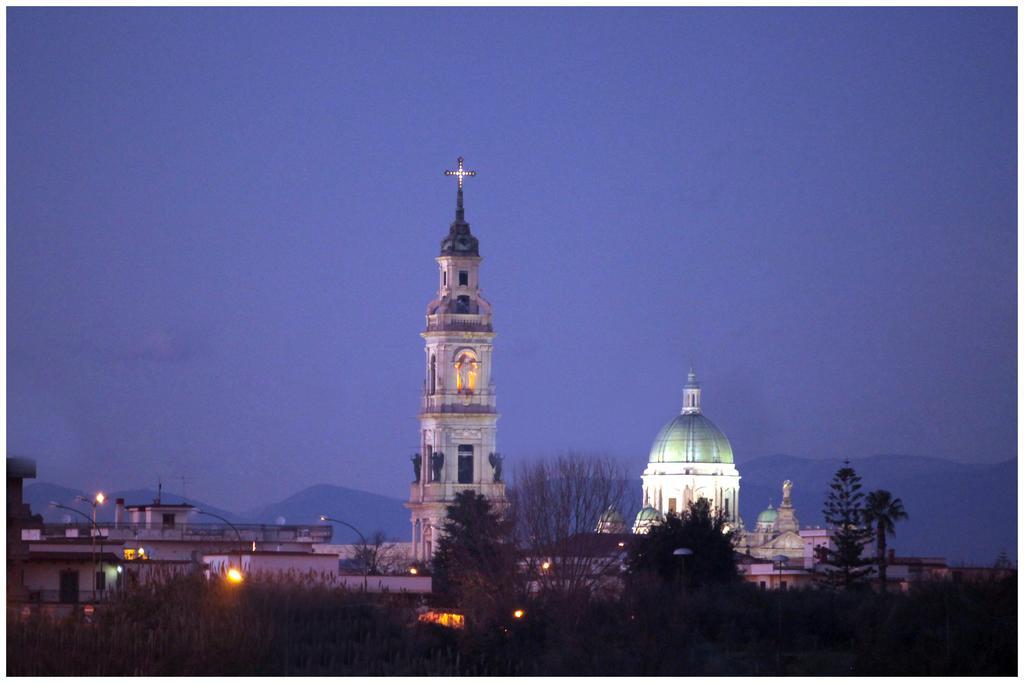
{"x":460,"y":174}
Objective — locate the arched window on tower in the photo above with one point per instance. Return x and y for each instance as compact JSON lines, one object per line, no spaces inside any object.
{"x":467,"y":368}
{"x":432,"y":385}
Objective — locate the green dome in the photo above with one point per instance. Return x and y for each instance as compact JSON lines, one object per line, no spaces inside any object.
{"x":691,"y":437}
{"x":649,"y":514}
{"x":768,"y":516}
{"x":612,"y":516}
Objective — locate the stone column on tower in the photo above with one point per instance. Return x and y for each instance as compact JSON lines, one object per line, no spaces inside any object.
{"x":458,"y":411}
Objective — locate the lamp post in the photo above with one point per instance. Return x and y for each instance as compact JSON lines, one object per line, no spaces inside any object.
{"x":92,"y":534}
{"x":779,"y":560}
{"x":366,"y":546}
{"x":241,"y":544}
{"x":682,"y":554}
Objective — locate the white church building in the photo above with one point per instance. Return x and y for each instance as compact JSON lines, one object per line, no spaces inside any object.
{"x":690,"y":459}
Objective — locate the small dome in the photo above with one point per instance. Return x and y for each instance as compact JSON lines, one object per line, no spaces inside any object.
{"x":691,"y":437}
{"x":649,"y":514}
{"x":647,"y":517}
{"x":768,"y":516}
{"x":611,"y":522}
{"x":612,"y":515}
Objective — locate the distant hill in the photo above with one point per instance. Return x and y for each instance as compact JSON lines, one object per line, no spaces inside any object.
{"x":39,"y":494}
{"x":965,"y":513}
{"x":367,"y":512}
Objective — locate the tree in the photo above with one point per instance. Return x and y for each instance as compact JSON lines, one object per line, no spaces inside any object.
{"x":377,"y":555}
{"x":475,"y":562}
{"x":556,"y":505}
{"x":844,"y":512}
{"x":706,"y":534}
{"x":882,"y":511}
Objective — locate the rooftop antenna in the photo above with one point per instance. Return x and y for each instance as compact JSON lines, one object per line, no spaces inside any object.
{"x":159,"y":489}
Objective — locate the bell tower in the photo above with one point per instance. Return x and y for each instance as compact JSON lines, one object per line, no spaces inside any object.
{"x":458,"y":411}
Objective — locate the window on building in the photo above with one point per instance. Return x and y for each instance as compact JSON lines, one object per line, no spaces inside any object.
{"x":101,"y":581}
{"x":168,"y":520}
{"x":726,"y":507}
{"x":463,"y":278}
{"x":783,"y":585}
{"x":465,"y":464}
{"x":763,"y":585}
{"x":671,"y":504}
{"x":462,"y":304}
{"x":444,"y":278}
{"x":433,"y":374}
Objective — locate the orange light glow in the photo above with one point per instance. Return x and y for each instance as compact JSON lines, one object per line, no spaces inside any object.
{"x":413,"y":571}
{"x":519,"y":614}
{"x":546,"y":565}
{"x":447,"y":619}
{"x":234,"y":575}
{"x":100,"y":498}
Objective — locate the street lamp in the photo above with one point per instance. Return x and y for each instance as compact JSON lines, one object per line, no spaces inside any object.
{"x":779,"y":560}
{"x":682,"y":554}
{"x":93,"y":533}
{"x":241,"y":544}
{"x":366,"y":546}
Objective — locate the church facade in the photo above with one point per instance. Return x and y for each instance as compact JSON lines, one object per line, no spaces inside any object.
{"x":458,"y":408}
{"x":690,"y":459}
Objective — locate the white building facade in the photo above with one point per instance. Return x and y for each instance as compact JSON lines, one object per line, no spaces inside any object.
{"x":690,"y":459}
{"x":458,"y":410}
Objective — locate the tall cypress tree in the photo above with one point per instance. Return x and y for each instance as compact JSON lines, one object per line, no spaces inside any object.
{"x":844,"y":513}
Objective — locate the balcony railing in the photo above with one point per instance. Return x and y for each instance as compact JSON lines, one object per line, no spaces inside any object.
{"x":461,"y":322}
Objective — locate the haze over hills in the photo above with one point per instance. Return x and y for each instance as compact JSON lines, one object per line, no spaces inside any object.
{"x":978,"y":501}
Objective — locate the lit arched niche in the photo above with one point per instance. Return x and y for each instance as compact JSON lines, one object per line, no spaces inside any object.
{"x":467,"y":370}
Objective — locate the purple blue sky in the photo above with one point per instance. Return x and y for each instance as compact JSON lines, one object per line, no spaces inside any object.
{"x":222,"y":226}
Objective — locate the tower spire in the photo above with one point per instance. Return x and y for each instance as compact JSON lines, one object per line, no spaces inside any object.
{"x":460,"y":241}
{"x":460,"y":173}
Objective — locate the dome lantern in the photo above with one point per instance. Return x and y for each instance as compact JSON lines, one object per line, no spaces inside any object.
{"x":691,"y":394}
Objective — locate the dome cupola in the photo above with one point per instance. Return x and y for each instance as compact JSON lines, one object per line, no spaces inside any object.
{"x":690,"y":436}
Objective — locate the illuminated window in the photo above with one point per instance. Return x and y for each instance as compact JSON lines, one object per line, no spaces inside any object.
{"x":467,"y":368}
{"x":129,"y":553}
{"x":465,"y":464}
{"x":671,"y":504}
{"x":463,"y":278}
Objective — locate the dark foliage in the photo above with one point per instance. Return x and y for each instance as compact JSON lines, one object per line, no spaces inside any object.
{"x":475,"y":566}
{"x":697,"y":529}
{"x":881,"y":512}
{"x":193,"y":627}
{"x":844,"y":512}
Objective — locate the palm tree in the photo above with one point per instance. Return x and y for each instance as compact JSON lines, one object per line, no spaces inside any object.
{"x":882,"y":511}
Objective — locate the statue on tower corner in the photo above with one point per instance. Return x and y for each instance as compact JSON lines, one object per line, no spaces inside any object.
{"x":417,"y":462}
{"x":495,"y":460}
{"x":787,"y":490}
{"x":436,"y":463}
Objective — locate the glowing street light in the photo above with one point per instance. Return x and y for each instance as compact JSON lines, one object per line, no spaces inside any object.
{"x":413,"y":571}
{"x":366,"y":546}
{"x":519,"y":614}
{"x":546,"y":565}
{"x":234,"y":575}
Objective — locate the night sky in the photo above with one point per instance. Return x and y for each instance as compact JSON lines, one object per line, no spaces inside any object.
{"x":222,"y":225}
